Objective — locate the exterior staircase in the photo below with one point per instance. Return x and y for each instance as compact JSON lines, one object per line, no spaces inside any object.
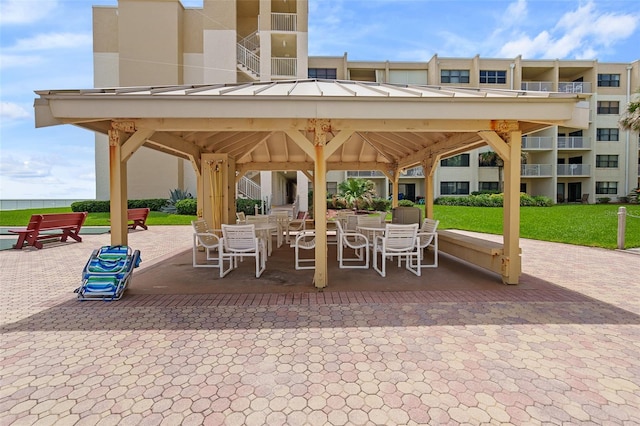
{"x":248,"y":56}
{"x":247,"y":188}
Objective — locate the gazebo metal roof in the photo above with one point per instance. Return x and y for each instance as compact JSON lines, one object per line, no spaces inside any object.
{"x":313,"y":126}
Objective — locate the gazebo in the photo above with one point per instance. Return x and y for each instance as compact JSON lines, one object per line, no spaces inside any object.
{"x":313,"y":126}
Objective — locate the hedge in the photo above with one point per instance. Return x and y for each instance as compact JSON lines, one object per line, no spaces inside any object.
{"x":493,"y":200}
{"x":97,"y":206}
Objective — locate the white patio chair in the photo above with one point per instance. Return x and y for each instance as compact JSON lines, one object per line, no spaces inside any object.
{"x":207,"y":239}
{"x":282,"y":220}
{"x":398,"y":241}
{"x":295,"y":226}
{"x":371,"y":221}
{"x":264,"y":235}
{"x":241,"y":219}
{"x":239,"y":241}
{"x":428,"y":237}
{"x":305,"y":240}
{"x":356,"y":241}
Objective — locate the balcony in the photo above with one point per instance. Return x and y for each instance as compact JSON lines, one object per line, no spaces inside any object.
{"x":575,"y":87}
{"x":537,"y":86}
{"x":573,"y":142}
{"x":414,"y":172}
{"x":536,"y":170}
{"x":574,"y":169}
{"x":284,"y":22}
{"x":364,"y":174}
{"x":537,"y":143}
{"x":284,"y":67}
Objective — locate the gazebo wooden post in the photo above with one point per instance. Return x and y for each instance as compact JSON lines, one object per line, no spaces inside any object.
{"x":320,"y":129}
{"x":118,"y":184}
{"x":427,"y":169}
{"x":511,"y":267}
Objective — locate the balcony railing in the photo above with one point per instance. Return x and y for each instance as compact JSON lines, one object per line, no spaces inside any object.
{"x":538,"y":86}
{"x":413,"y":172}
{"x":573,"y":142}
{"x":573,"y":169}
{"x":537,"y":142}
{"x":364,"y":173}
{"x":284,"y":67}
{"x":574,"y":87}
{"x":284,"y":22}
{"x":531,"y":170}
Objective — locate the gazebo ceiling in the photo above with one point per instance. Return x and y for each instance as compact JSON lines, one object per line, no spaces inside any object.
{"x":387,"y":126}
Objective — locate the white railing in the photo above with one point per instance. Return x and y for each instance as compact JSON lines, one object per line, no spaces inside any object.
{"x":538,"y":86}
{"x":573,"y":169}
{"x":284,"y":67}
{"x":15,"y":204}
{"x":413,"y":172}
{"x":248,"y":59}
{"x":574,"y":87}
{"x":251,"y":42}
{"x":537,"y":142}
{"x":536,"y":170}
{"x":364,"y":173}
{"x":573,"y":142}
{"x":249,"y":188}
{"x":284,"y":22}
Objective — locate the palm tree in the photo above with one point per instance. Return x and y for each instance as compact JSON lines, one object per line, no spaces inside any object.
{"x":356,"y":192}
{"x":492,"y":159}
{"x":630,"y":119}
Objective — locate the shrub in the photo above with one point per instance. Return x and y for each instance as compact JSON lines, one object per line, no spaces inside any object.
{"x":187,"y":206}
{"x":102,"y":206}
{"x":247,"y":205}
{"x":603,"y":200}
{"x":493,"y":200}
{"x":405,"y":203}
{"x":380,"y":205}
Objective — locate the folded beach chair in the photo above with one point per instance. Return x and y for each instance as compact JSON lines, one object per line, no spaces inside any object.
{"x":107,"y":273}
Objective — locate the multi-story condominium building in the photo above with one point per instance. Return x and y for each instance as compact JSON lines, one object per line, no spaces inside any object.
{"x":159,"y":42}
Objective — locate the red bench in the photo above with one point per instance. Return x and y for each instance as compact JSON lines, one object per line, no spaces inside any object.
{"x":137,"y":217}
{"x":68,"y":224}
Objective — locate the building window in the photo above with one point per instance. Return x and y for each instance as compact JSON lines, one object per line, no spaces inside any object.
{"x":454,"y":76}
{"x":493,"y":77}
{"x":608,"y":80}
{"x":608,"y":107}
{"x":606,"y":187}
{"x":454,"y":188}
{"x":461,"y":160}
{"x":324,"y":73}
{"x":607,"y":161}
{"x":332,"y":188}
{"x":607,"y":135}
{"x":488,"y":186}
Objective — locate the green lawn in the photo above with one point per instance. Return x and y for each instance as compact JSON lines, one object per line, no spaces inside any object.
{"x":592,"y":225}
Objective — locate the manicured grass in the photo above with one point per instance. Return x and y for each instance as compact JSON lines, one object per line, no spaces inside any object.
{"x":594,"y":225}
{"x":21,"y":217}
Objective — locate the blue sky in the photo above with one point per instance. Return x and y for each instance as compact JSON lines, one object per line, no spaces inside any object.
{"x":47,"y":44}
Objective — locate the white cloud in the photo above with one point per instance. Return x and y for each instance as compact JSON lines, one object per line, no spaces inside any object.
{"x":25,"y":11}
{"x":52,"y":41}
{"x":581,"y":33}
{"x":12,"y":111}
{"x":13,"y":168}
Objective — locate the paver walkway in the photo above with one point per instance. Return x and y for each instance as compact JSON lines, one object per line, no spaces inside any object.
{"x":570,"y":357}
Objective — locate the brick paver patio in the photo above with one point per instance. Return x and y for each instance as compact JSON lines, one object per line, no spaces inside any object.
{"x":566,"y":354}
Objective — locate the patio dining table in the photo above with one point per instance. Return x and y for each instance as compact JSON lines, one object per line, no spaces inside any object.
{"x":263,"y":231}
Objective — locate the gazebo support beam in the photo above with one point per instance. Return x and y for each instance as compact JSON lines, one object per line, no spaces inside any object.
{"x":118,"y":135}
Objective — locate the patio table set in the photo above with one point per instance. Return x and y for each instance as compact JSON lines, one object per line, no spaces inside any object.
{"x":358,"y":238}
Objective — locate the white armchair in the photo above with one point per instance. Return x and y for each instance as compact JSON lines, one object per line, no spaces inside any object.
{"x":428,"y":238}
{"x":305,"y":240}
{"x":355,"y":241}
{"x":239,"y":241}
{"x":208,"y":240}
{"x":295,"y":226}
{"x":398,"y":241}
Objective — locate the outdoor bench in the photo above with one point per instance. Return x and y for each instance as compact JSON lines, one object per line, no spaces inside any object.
{"x":68,"y":224}
{"x":137,"y":217}
{"x":484,"y":253}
